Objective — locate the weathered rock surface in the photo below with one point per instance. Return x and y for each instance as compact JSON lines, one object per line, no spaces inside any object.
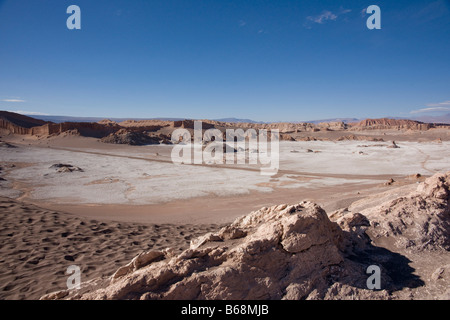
{"x":63,"y":168}
{"x":124,"y":136}
{"x":136,"y":131}
{"x":418,"y":221}
{"x":396,"y":124}
{"x":297,"y":252}
{"x":18,"y":123}
{"x":259,"y":256}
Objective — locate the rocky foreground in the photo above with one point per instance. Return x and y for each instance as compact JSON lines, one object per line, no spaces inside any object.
{"x":300,"y":252}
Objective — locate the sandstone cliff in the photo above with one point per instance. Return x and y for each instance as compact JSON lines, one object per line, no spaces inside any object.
{"x":385,"y":123}
{"x":17,"y":123}
{"x":113,"y":132}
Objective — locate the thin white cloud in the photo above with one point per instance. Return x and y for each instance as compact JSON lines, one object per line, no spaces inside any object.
{"x":440,"y":104}
{"x":12,"y":100}
{"x":321,"y":18}
{"x":29,"y":113}
{"x":434,"y":107}
{"x":325,"y":16}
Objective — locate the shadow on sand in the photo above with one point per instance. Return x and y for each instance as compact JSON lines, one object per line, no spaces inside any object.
{"x":396,"y":273}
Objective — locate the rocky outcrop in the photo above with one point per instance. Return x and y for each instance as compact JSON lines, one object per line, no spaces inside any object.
{"x":108,"y":122}
{"x":286,"y":137}
{"x":418,"y":221}
{"x":273,"y":253}
{"x":291,"y":252}
{"x":4,"y":144}
{"x":358,"y":138}
{"x":86,"y":129}
{"x":63,"y":168}
{"x":145,"y":123}
{"x":124,"y":136}
{"x":18,"y":123}
{"x":385,"y":123}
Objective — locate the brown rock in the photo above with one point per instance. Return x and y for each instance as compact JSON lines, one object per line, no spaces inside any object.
{"x":418,"y":221}
{"x":283,"y":245}
{"x":294,"y":252}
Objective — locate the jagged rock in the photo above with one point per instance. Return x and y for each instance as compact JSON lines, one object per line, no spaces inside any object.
{"x":124,"y":136}
{"x":418,"y":221}
{"x":385,"y":123}
{"x":306,"y":139}
{"x":63,"y":168}
{"x":393,"y":145}
{"x":441,"y":273}
{"x":138,"y":262}
{"x":4,"y":144}
{"x":18,"y":123}
{"x":436,"y":186}
{"x":293,"y":252}
{"x":286,"y":137}
{"x":230,"y":232}
{"x":259,"y":256}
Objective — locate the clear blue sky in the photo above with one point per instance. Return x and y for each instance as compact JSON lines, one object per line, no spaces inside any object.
{"x":264,"y":60}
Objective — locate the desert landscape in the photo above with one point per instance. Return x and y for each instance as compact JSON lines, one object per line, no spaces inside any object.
{"x":107,"y":197}
{"x":224,"y":158}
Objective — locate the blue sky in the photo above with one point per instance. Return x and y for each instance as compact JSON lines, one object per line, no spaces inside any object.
{"x":263,"y":60}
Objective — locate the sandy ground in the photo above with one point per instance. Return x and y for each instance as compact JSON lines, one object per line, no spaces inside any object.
{"x":38,"y":245}
{"x":128,"y":199}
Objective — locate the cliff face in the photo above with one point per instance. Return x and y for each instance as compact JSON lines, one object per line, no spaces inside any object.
{"x":385,"y":123}
{"x":24,"y":125}
{"x":136,"y":138}
{"x":20,"y":124}
{"x":17,"y":123}
{"x":20,"y":120}
{"x":145,"y":123}
{"x":87,"y":129}
{"x":5,"y":124}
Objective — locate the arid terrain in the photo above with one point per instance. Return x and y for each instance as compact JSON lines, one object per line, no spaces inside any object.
{"x":346,"y":196}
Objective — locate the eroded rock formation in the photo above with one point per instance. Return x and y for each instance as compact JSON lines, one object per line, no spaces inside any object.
{"x":292,"y":252}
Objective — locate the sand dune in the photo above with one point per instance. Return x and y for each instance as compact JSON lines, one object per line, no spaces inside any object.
{"x":38,"y":245}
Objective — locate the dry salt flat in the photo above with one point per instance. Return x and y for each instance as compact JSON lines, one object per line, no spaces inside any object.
{"x":130,"y":176}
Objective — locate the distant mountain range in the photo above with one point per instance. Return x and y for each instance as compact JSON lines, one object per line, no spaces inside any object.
{"x":236,"y":120}
{"x":59,"y":119}
{"x":434,"y":119}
